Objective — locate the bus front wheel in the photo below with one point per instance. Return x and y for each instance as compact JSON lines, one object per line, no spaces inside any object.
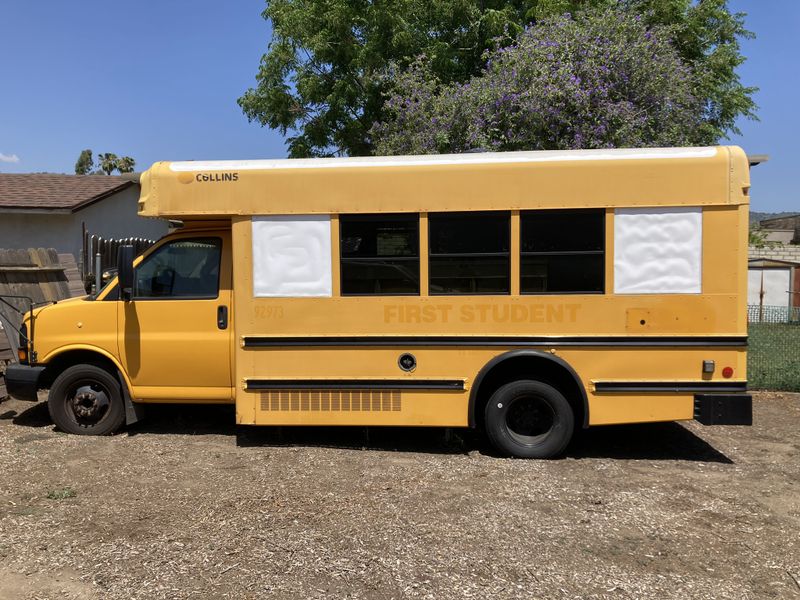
{"x":529,"y":419}
{"x":86,"y":400}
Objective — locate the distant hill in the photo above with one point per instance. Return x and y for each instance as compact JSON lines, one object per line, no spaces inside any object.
{"x":760,"y":216}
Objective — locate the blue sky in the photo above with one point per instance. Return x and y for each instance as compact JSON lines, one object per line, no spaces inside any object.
{"x":159,"y":81}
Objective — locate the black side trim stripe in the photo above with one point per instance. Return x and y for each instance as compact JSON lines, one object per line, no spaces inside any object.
{"x":670,"y":386}
{"x":354,"y":384}
{"x":259,"y":341}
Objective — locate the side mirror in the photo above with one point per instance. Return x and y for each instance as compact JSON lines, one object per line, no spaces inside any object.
{"x":108,"y":275}
{"x":125,"y":272}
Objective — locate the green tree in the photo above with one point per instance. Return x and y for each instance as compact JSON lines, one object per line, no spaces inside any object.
{"x":563,"y":84}
{"x":330,"y":64}
{"x":125,"y":164}
{"x":706,"y":35}
{"x":758,"y":238}
{"x":85,"y":163}
{"x":327,"y":67}
{"x":107,"y":162}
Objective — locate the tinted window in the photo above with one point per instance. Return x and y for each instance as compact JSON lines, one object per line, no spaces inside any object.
{"x":181,"y":269}
{"x":469,"y":253}
{"x":562,"y":230}
{"x":579,"y":273}
{"x":379,"y":254}
{"x":562,"y":251}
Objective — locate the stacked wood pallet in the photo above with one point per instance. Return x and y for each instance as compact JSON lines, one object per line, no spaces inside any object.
{"x":40,"y":274}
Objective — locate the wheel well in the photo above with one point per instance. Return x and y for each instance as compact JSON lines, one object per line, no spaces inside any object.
{"x":71,"y":358}
{"x":528,"y":364}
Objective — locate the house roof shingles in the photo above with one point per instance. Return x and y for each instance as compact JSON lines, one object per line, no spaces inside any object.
{"x":50,"y":191}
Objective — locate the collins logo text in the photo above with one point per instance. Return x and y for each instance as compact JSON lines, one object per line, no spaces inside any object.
{"x":216,"y":177}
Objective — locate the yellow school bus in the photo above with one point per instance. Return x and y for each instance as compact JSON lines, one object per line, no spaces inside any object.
{"x":524,"y":293}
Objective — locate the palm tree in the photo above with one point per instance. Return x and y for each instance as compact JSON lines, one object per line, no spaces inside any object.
{"x":107,"y":162}
{"x":125,"y":164}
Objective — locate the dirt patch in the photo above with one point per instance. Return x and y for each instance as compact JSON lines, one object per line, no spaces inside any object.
{"x":187,"y":505}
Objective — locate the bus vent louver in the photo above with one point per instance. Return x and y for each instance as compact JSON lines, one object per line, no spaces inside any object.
{"x":331,"y":400}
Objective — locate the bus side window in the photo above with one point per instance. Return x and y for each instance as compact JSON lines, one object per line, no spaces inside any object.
{"x":379,"y":254}
{"x":469,"y":253}
{"x":562,"y":251}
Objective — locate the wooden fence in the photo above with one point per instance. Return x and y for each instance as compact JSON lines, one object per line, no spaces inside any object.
{"x":38,"y":273}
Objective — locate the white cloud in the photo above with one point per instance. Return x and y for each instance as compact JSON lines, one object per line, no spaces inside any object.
{"x":9,"y":158}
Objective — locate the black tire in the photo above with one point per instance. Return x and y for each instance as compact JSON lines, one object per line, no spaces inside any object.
{"x":86,"y":400}
{"x":529,"y":419}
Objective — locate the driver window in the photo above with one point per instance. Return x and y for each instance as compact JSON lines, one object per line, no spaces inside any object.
{"x":187,"y":268}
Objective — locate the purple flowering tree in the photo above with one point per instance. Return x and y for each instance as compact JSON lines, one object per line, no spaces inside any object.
{"x":602,"y":80}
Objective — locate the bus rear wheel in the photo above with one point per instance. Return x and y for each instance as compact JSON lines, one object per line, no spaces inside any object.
{"x":529,"y":419}
{"x":86,"y":400}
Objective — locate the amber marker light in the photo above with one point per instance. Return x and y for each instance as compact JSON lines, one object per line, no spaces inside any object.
{"x":22,"y":354}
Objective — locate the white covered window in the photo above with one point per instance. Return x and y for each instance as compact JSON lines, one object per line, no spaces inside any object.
{"x":292,"y":256}
{"x":658,"y":250}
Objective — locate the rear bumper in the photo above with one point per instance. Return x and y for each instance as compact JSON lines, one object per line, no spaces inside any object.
{"x":723,"y":409}
{"x":22,"y":381}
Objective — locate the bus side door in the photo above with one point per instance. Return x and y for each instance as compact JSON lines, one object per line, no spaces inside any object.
{"x":174,"y":336}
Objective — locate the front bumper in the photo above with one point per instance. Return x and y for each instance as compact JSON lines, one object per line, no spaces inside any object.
{"x":723,"y":409}
{"x":22,"y":381}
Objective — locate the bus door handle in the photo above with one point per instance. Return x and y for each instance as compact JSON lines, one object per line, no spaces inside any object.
{"x":222,"y":317}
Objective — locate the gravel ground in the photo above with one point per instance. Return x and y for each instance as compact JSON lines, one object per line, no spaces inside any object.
{"x":186,"y":505}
